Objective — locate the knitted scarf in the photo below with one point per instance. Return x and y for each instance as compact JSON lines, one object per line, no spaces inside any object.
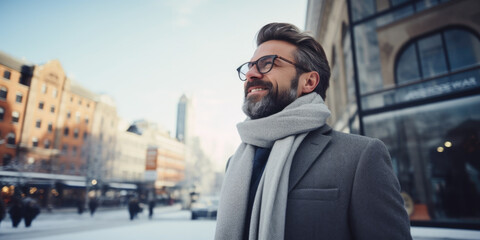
{"x":283,"y":132}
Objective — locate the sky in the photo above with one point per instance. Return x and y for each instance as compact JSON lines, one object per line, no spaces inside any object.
{"x":146,"y":54}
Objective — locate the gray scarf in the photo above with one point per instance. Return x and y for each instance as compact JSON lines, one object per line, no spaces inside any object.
{"x":283,"y":132}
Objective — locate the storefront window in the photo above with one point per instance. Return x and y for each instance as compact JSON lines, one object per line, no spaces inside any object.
{"x":435,"y":150}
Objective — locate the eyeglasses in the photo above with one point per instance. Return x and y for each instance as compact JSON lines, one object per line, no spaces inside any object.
{"x":263,"y":64}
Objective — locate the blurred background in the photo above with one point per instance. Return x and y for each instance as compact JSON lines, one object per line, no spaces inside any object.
{"x":110,"y":103}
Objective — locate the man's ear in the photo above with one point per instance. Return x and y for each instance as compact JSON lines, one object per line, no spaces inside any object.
{"x":309,"y":82}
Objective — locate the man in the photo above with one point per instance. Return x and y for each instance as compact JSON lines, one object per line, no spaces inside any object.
{"x":293,"y":177}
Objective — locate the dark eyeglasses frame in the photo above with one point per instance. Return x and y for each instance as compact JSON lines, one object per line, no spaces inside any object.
{"x":274,"y":57}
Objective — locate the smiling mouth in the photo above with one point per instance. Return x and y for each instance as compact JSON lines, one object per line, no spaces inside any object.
{"x":256,"y":90}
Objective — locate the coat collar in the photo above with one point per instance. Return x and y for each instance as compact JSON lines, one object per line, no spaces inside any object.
{"x":307,"y":153}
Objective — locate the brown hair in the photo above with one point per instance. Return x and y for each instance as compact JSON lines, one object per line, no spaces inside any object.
{"x":309,"y":54}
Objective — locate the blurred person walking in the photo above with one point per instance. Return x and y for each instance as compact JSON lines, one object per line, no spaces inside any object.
{"x":92,"y":205}
{"x":16,"y":211}
{"x":151,"y":206}
{"x":31,"y":210}
{"x":133,"y":208}
{"x":293,"y":177}
{"x":3,"y":210}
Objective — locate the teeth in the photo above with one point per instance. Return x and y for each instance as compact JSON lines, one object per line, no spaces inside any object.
{"x":256,"y":89}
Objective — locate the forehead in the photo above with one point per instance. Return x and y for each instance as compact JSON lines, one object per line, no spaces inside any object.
{"x":272,"y":47}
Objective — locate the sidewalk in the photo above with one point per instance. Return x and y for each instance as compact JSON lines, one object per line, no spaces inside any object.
{"x":67,"y":210}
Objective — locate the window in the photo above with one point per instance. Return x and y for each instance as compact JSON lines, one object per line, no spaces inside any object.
{"x":435,"y":151}
{"x":6,"y":74}
{"x":11,"y":138}
{"x":77,"y":117}
{"x":15,"y":117}
{"x":64,"y":149}
{"x":86,"y":120}
{"x":444,"y":52}
{"x":75,"y":133}
{"x":2,"y":113}
{"x":69,"y":114}
{"x":44,"y":88}
{"x":50,"y":127}
{"x":362,"y":9}
{"x":19,"y":97}
{"x":80,"y":102}
{"x":41,"y":105}
{"x":38,"y":124}
{"x":85,"y":134}
{"x":7,"y":159}
{"x":74,"y":151}
{"x":65,"y":131}
{"x":54,"y":93}
{"x":52,"y":109}
{"x":463,"y":49}
{"x":35,"y":142}
{"x":3,"y":93}
{"x":46,"y":144}
{"x":432,"y":56}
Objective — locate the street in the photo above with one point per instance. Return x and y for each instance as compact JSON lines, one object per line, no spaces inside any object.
{"x":167,"y":223}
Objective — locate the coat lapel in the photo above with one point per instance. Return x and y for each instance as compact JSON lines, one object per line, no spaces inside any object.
{"x":307,"y":154}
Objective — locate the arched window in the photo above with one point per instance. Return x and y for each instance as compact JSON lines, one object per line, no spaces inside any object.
{"x":443,"y":52}
{"x":2,"y":113}
{"x":3,"y":93}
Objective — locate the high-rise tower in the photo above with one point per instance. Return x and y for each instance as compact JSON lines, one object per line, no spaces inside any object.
{"x":182,"y":119}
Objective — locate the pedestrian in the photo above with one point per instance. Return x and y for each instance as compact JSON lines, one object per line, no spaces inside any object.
{"x":16,"y":211}
{"x":31,"y":210}
{"x":151,"y":205}
{"x":133,"y":208}
{"x":293,"y":177}
{"x":3,"y":209}
{"x":92,"y":205}
{"x":80,"y":206}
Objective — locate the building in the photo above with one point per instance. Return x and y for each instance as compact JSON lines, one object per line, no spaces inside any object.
{"x":74,"y":128}
{"x":408,"y":72}
{"x":37,"y":150}
{"x":101,"y":145}
{"x":183,"y":119}
{"x":130,"y":157}
{"x":14,"y":87}
{"x":168,"y":152}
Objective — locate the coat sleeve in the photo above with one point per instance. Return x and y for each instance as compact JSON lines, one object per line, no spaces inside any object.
{"x":376,"y":207}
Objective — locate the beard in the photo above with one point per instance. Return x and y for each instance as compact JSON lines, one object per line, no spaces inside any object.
{"x":274,"y":102}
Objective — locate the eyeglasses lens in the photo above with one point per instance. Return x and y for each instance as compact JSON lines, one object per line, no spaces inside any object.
{"x":264,"y":65}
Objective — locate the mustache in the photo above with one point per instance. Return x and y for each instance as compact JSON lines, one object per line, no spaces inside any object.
{"x":257,"y":82}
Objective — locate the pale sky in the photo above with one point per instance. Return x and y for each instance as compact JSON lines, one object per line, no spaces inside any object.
{"x":146,"y":54}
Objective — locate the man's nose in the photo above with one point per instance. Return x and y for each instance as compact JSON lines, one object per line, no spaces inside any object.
{"x":253,"y":73}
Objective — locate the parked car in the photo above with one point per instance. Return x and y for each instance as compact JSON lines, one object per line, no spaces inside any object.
{"x":205,"y":207}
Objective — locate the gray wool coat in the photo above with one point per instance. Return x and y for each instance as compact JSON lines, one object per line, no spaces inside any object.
{"x":342,"y":186}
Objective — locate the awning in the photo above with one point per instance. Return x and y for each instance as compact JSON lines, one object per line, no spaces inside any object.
{"x":74,"y":184}
{"x":126,"y":186}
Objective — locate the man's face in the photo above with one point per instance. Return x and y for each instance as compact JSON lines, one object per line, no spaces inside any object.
{"x":269,"y":93}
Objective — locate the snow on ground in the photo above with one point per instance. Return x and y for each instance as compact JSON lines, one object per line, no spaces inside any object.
{"x":168,"y":223}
